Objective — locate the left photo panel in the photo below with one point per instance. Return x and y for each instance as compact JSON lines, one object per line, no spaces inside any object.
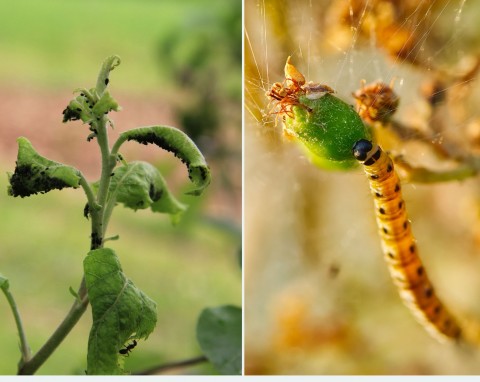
{"x":121,"y":141}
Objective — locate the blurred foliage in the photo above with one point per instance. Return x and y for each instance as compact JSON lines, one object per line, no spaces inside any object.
{"x":46,"y":43}
{"x":202,"y":55}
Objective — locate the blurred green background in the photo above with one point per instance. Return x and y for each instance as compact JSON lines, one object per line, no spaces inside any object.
{"x":181,"y":66}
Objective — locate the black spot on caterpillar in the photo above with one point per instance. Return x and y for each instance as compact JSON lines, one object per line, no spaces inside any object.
{"x":398,"y":243}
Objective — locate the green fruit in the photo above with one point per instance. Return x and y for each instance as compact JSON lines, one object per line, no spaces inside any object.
{"x":327,"y":128}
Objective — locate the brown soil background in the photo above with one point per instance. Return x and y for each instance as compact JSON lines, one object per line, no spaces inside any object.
{"x":37,"y":115}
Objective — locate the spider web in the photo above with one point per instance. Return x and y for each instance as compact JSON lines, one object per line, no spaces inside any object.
{"x":314,"y":278}
{"x":340,"y":42}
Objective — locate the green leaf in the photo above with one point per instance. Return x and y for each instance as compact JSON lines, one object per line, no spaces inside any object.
{"x":91,"y":105}
{"x":34,"y":173}
{"x":77,"y":109}
{"x":103,"y":77}
{"x":139,"y":185}
{"x":105,"y":104}
{"x":121,"y":312}
{"x":89,"y":108}
{"x":219,"y":333}
{"x":177,"y":142}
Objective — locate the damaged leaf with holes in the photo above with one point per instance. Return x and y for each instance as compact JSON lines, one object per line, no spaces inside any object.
{"x":121,"y":312}
{"x":177,"y":142}
{"x":139,"y":185}
{"x":35,"y":174}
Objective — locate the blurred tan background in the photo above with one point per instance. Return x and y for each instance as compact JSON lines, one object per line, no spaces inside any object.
{"x":318,"y":296}
{"x":181,"y":66}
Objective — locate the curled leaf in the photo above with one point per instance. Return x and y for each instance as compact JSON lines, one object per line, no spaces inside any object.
{"x":75,"y":110}
{"x":36,"y":174}
{"x":88,"y":107}
{"x":139,"y":185}
{"x":103,"y":77}
{"x":91,"y":105}
{"x":177,"y":142}
{"x":121,"y":312}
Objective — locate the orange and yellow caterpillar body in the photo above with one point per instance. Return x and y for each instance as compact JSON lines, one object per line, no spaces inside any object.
{"x":399,"y":245}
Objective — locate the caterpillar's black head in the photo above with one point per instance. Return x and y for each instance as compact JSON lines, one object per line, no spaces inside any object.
{"x":361,"y":149}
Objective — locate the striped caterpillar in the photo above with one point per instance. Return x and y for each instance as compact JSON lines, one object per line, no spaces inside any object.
{"x":303,"y":109}
{"x":399,"y":246}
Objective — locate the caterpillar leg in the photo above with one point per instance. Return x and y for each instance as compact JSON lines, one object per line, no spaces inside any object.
{"x":399,"y":246}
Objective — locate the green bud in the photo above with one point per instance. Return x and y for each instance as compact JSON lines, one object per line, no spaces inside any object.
{"x":327,"y":129}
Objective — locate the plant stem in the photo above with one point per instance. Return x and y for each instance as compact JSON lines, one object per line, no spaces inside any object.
{"x":116,"y":146}
{"x":108,"y":163}
{"x":76,"y":311}
{"x":88,"y":191}
{"x":25,"y":349}
{"x":80,"y":304}
{"x":97,"y":208}
{"x":413,"y":174}
{"x":111,"y":204}
{"x":173,"y":365}
{"x":102,"y":139}
{"x":30,"y":365}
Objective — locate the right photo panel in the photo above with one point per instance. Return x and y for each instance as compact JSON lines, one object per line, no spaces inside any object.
{"x":362,"y":200}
